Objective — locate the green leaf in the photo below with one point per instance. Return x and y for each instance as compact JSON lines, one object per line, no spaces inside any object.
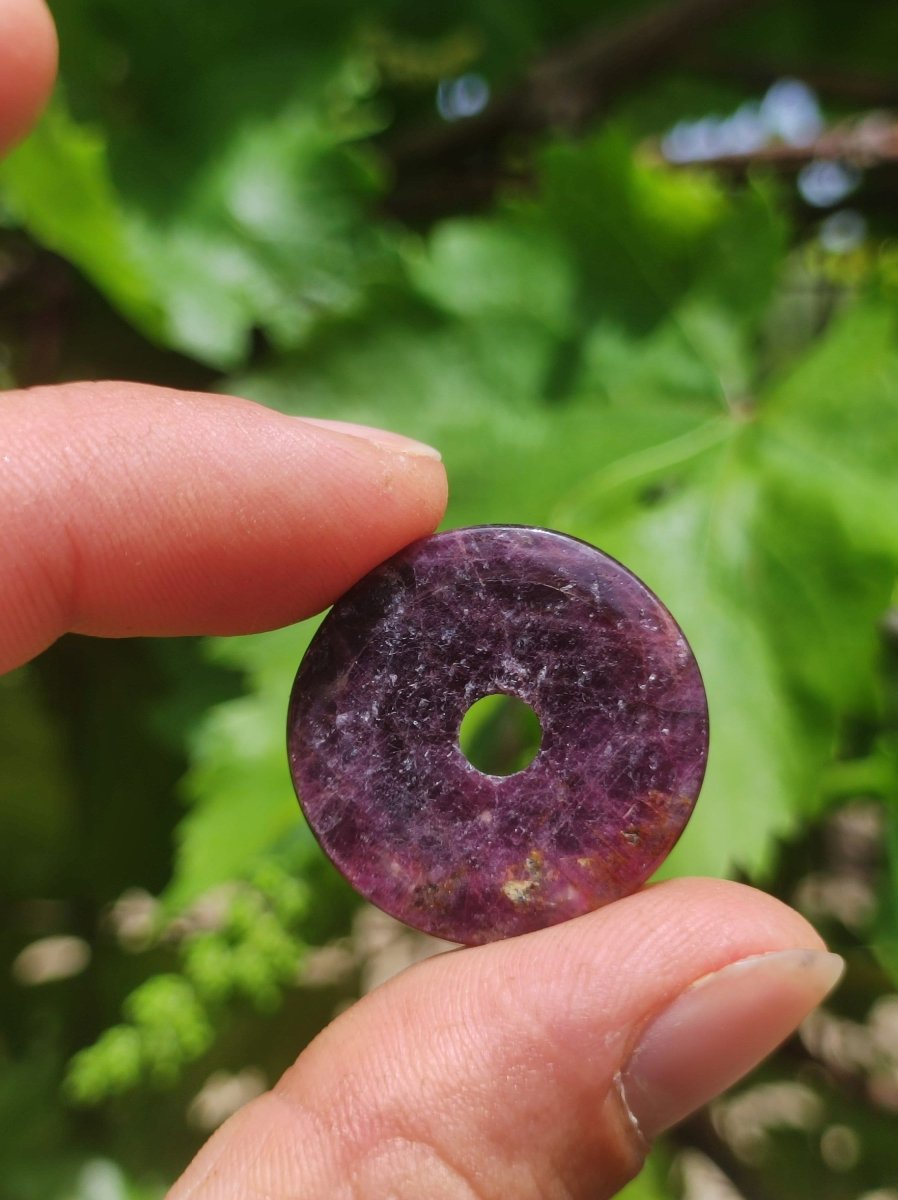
{"x":487,"y":267}
{"x":242,"y":802}
{"x":833,"y":426}
{"x":110,"y":1066}
{"x":780,"y":602}
{"x":169,"y":1026}
{"x":64,"y":159}
{"x":637,"y":234}
{"x":268,"y":233}
{"x":683,"y":524}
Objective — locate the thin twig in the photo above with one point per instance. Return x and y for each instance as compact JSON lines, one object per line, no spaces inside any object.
{"x":867,"y":143}
{"x":456,"y":166}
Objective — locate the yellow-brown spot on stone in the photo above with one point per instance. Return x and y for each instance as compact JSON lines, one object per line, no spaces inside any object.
{"x":435,"y":897}
{"x":534,"y":864}
{"x":519,"y":891}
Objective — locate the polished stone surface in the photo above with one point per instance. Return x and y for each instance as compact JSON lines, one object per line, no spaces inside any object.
{"x":380,"y":695}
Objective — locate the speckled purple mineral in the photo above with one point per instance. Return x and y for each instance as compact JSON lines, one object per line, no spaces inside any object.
{"x":374,"y":719}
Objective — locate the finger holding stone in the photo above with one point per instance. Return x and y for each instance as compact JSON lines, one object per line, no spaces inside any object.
{"x":28,"y":57}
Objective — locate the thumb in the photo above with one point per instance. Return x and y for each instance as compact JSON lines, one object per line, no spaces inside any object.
{"x":535,"y":1067}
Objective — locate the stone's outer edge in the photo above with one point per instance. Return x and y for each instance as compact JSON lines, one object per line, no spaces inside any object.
{"x":379,"y":697}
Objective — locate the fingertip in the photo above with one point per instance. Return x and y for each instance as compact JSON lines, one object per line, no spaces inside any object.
{"x":137,"y":510}
{"x":720,"y":916}
{"x":28,"y":61}
{"x":718,"y":1029}
{"x":384,"y":438}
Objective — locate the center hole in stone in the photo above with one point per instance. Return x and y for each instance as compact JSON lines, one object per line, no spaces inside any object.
{"x":500,"y":735}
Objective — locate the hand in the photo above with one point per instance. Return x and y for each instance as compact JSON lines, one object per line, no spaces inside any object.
{"x":538,"y":1067}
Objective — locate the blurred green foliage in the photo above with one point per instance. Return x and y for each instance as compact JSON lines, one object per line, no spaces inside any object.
{"x":679,"y":365}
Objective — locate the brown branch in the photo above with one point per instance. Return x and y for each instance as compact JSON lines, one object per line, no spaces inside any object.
{"x":870,"y":142}
{"x":457,"y":166}
{"x":577,"y":81}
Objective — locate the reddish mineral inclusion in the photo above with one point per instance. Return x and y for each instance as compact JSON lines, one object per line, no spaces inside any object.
{"x":374,"y":721}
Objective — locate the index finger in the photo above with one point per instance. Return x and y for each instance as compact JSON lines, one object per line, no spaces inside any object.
{"x":130,"y":510}
{"x":28,"y":54}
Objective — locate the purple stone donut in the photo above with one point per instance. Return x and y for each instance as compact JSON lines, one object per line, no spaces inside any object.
{"x":373,"y":732}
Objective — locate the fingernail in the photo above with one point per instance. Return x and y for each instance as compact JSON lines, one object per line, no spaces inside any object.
{"x":718,"y":1029}
{"x":384,"y":438}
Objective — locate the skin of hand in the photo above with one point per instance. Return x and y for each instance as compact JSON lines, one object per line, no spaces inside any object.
{"x":538,"y":1068}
